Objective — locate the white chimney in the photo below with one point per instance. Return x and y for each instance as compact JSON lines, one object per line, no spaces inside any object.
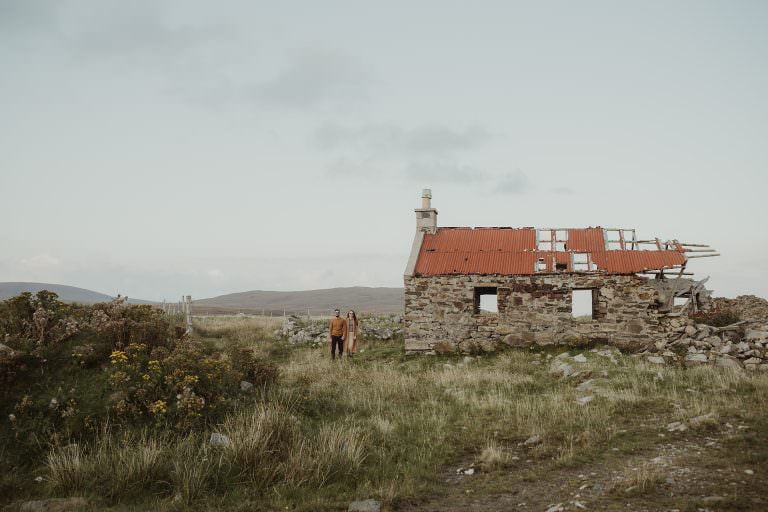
{"x":426,"y":216}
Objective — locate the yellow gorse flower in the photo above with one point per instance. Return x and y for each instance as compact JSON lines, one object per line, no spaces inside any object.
{"x":158,"y":407}
{"x":118,"y":356}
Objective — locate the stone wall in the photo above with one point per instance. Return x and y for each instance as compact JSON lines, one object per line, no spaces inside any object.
{"x":440,"y":311}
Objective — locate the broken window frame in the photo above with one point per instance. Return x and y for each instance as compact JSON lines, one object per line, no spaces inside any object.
{"x":551,"y":239}
{"x":587,"y":265}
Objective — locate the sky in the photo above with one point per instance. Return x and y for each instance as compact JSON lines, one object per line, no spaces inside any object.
{"x":159,"y":148}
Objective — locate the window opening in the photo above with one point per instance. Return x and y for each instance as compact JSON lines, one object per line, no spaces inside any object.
{"x":582,"y":304}
{"x":486,"y":300}
{"x":580,"y":262}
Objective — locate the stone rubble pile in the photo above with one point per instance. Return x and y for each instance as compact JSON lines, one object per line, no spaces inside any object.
{"x":300,"y":331}
{"x":743,"y":344}
{"x":748,"y":307}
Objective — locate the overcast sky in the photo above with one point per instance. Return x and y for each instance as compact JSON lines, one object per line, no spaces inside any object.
{"x":155,"y":148}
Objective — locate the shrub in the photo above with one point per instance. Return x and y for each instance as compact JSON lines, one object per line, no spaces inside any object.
{"x":29,"y":321}
{"x":181,"y":388}
{"x":262,"y":374}
{"x":123,"y":324}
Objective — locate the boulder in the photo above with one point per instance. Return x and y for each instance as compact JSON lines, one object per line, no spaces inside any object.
{"x":690,"y":330}
{"x":369,"y":505}
{"x":517,"y":341}
{"x":560,"y":368}
{"x":656,"y":360}
{"x":533,"y":440}
{"x":219,"y":439}
{"x":584,"y":400}
{"x":677,"y":426}
{"x":245,"y":386}
{"x":754,"y":335}
{"x":580,"y":358}
{"x":713,"y":340}
{"x":698,"y":420}
{"x":695,"y":359}
{"x":726,"y":349}
{"x":728,"y":362}
{"x":54,"y":505}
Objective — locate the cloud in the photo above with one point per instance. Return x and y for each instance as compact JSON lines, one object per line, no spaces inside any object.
{"x":515,"y":182}
{"x":353,"y":167}
{"x":427,"y":152}
{"x":387,"y":138}
{"x":562,"y":190}
{"x":314,"y":78}
{"x":40,"y":261}
{"x":444,"y":172}
{"x":23,"y":17}
{"x":215,"y":273}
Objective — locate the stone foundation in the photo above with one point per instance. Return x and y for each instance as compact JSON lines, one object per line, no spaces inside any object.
{"x":441,"y":312}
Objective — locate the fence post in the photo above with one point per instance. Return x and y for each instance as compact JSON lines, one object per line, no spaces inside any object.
{"x":188,"y":308}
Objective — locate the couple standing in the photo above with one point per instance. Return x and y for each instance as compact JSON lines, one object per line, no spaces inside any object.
{"x":343,"y":333}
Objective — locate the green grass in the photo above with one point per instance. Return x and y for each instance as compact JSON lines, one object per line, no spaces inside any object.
{"x":388,"y":426}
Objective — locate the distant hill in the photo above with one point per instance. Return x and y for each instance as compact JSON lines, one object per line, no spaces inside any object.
{"x":65,"y":293}
{"x":320,"y":302}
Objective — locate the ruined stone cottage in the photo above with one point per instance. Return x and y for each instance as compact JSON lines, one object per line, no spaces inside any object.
{"x":469,"y":289}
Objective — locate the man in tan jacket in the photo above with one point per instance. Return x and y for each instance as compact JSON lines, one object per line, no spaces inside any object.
{"x":337,"y":333}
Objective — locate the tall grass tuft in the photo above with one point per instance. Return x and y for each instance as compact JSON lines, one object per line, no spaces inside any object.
{"x":260,"y":440}
{"x":113,"y":466}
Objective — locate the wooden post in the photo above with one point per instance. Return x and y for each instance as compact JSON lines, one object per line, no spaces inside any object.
{"x":188,"y":312}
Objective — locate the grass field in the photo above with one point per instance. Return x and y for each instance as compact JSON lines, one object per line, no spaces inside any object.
{"x":497,"y":432}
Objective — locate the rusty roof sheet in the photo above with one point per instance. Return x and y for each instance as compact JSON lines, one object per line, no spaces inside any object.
{"x":481,"y":240}
{"x":514,"y":252}
{"x":586,"y":240}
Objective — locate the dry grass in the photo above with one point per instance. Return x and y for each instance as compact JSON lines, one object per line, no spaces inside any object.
{"x":245,"y":330}
{"x":638,"y":481}
{"x":493,"y":456}
{"x":118,"y":466}
{"x":382,"y":424}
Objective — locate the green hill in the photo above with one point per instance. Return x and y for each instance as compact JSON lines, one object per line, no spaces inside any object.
{"x":360,"y":298}
{"x":65,"y":293}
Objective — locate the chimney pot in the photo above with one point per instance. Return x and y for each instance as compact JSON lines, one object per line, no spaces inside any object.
{"x":426,"y":198}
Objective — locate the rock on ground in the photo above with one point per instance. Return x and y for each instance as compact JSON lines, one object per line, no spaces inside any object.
{"x":364,"y":506}
{"x":532,"y":440}
{"x":218,"y":439}
{"x":54,"y":505}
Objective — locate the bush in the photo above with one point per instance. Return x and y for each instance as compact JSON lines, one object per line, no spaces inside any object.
{"x":180,"y":388}
{"x":123,"y":324}
{"x":30,"y":321}
{"x":262,"y":374}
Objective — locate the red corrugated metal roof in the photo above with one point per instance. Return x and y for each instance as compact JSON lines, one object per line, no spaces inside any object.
{"x":586,"y":240}
{"x":514,"y":251}
{"x":481,"y":240}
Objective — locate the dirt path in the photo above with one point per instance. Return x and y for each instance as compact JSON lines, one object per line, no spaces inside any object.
{"x":683,"y":471}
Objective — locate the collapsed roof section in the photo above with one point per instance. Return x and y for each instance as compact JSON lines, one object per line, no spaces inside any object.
{"x":527,"y":251}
